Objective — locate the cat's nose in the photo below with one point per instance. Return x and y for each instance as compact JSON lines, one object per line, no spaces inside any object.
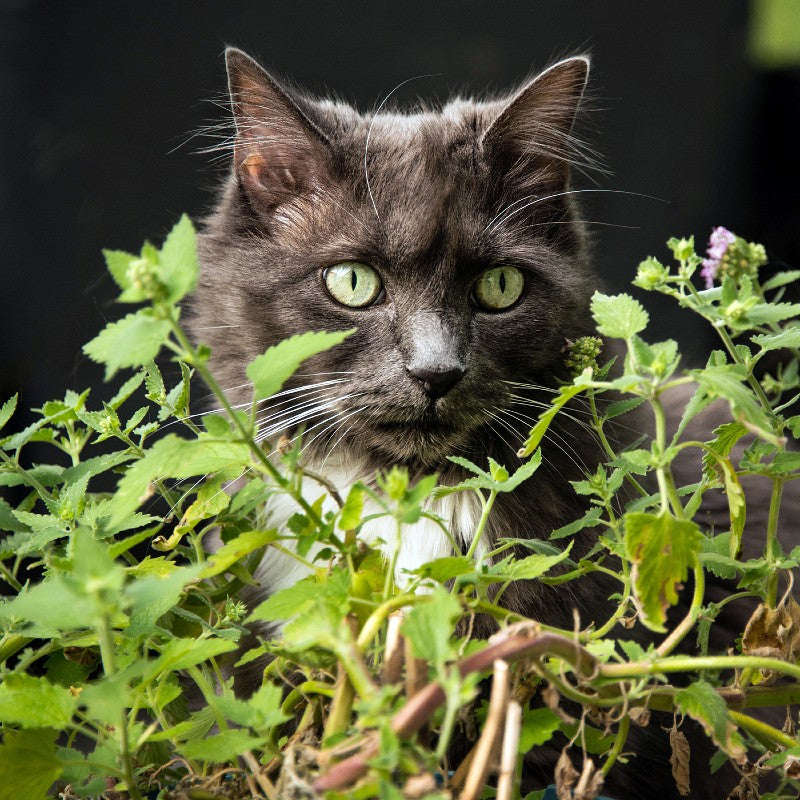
{"x":438,"y":381}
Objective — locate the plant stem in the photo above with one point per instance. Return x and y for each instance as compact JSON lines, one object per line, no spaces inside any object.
{"x":105,"y":638}
{"x":695,"y":664}
{"x":687,"y":623}
{"x":619,"y":743}
{"x":487,"y":507}
{"x":766,"y":734}
{"x":772,"y":545}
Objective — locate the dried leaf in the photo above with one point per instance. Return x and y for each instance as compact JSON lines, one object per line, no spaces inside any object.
{"x":551,"y":699}
{"x":746,"y":790}
{"x":640,"y":716}
{"x":774,"y":632}
{"x":566,"y":776}
{"x":679,"y":760}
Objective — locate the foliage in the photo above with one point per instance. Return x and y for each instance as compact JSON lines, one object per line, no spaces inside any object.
{"x":119,"y":615}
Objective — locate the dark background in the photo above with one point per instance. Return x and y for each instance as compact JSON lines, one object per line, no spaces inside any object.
{"x":99,"y":102}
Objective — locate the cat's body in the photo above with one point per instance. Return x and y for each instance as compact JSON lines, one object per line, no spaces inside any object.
{"x":431,"y":203}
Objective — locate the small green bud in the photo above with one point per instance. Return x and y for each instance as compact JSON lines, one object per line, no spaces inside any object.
{"x":582,"y":354}
{"x":651,"y":274}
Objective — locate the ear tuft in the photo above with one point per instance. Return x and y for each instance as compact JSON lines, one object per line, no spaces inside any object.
{"x":532,"y":132}
{"x":279,"y":152}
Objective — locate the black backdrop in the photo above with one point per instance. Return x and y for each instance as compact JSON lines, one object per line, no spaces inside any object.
{"x":98,"y":100}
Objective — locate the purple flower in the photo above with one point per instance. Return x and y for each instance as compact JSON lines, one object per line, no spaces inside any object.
{"x":719,"y":241}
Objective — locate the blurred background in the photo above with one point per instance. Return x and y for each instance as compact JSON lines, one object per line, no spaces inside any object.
{"x":695,"y":104}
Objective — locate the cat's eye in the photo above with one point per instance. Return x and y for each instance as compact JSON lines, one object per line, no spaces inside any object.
{"x":353,"y":284}
{"x":499,"y":288}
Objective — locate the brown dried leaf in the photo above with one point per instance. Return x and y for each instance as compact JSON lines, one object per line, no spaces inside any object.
{"x":590,"y":782}
{"x":679,"y":760}
{"x":774,"y":632}
{"x":746,"y":790}
{"x":792,"y":767}
{"x":640,"y":715}
{"x":566,"y":776}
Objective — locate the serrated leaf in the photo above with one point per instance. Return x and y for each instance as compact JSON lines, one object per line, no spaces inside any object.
{"x":272,"y":369}
{"x":765,"y":313}
{"x":528,"y":568}
{"x":180,"y":654}
{"x":177,"y":269}
{"x":174,"y":457}
{"x":619,"y":316}
{"x":130,"y":342}
{"x":7,"y":409}
{"x":151,"y":596}
{"x":538,"y":727}
{"x":223,"y":747}
{"x":28,"y":764}
{"x":126,"y":390}
{"x":588,"y":520}
{"x":429,"y":626}
{"x":781,"y":279}
{"x":443,"y":569}
{"x":620,"y":407}
{"x":352,"y":510}
{"x":701,"y":702}
{"x":197,"y":726}
{"x":726,"y":381}
{"x":35,"y":702}
{"x":774,"y":341}
{"x":565,"y":394}
{"x":118,"y":263}
{"x":235,"y":550}
{"x":662,"y":550}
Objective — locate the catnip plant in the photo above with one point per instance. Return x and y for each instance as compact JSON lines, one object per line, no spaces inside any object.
{"x":121,"y":631}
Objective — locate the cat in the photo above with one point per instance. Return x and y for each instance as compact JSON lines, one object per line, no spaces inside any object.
{"x":451,"y":240}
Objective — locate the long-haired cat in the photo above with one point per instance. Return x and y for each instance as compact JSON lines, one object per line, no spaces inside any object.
{"x":450,"y":240}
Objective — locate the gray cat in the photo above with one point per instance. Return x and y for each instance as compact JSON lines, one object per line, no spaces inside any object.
{"x":451,"y":240}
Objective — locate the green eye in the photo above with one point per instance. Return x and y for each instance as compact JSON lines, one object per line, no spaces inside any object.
{"x":353,"y":284}
{"x":499,"y":288}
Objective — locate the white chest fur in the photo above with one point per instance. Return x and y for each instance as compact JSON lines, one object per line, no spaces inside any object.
{"x":420,"y":542}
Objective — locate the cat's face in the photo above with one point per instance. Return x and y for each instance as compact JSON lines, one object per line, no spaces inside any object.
{"x":444,"y":237}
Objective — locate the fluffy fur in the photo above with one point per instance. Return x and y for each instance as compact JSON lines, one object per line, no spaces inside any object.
{"x":430,"y":200}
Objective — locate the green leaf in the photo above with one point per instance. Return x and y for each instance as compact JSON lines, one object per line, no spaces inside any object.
{"x":28,"y":764}
{"x":538,"y":727}
{"x":106,"y":699}
{"x":701,"y":702}
{"x":622,"y":407}
{"x":774,"y":341}
{"x":174,"y":457}
{"x":118,"y":263}
{"x":662,"y":550}
{"x":781,"y":279}
{"x":352,"y":510}
{"x":765,"y":313}
{"x":527,"y":568}
{"x":197,"y":726}
{"x":429,"y":626}
{"x":443,"y":569}
{"x":178,"y":261}
{"x":7,"y":409}
{"x":272,"y":369}
{"x":126,"y":390}
{"x":184,"y":653}
{"x":35,"y":702}
{"x":132,"y":341}
{"x":225,"y":746}
{"x":726,"y":381}
{"x":153,"y":595}
{"x":588,"y":520}
{"x":236,"y":549}
{"x":619,"y":316}
{"x":565,"y":394}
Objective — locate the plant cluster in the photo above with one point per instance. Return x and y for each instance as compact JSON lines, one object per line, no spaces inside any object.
{"x":116,"y":613}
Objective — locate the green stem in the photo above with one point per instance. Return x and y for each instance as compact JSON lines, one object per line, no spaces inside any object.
{"x":619,"y":743}
{"x":26,"y":476}
{"x":772,"y":545}
{"x":389,"y":581}
{"x":766,"y":734}
{"x":12,"y":643}
{"x":695,"y":664}
{"x":105,"y":638}
{"x":687,"y":623}
{"x":487,"y":507}
{"x":272,"y":470}
{"x":666,"y":484}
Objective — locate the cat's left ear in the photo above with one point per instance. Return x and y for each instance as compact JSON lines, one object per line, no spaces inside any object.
{"x":279,"y":153}
{"x":531,"y":134}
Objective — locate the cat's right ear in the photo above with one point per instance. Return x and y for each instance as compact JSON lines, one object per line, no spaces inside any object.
{"x":278,"y":152}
